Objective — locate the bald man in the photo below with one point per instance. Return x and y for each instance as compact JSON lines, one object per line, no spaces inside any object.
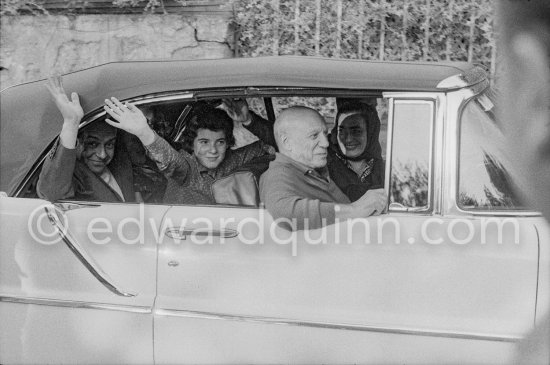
{"x":525,"y":115}
{"x":296,"y":189}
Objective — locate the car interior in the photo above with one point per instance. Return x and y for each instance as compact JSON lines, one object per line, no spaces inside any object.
{"x":169,"y":119}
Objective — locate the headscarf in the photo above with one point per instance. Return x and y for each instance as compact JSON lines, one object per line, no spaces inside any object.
{"x":350,"y":108}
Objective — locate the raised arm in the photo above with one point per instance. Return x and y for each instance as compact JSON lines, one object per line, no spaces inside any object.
{"x":128,"y":117}
{"x":56,"y":177}
{"x":238,"y":110}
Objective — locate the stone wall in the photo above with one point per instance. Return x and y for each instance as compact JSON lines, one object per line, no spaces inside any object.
{"x":33,"y":47}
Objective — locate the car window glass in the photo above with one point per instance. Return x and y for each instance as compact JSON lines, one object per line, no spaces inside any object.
{"x":484,"y":177}
{"x":411,"y":155}
{"x":324,"y":105}
{"x":169,"y":119}
{"x":256,"y":105}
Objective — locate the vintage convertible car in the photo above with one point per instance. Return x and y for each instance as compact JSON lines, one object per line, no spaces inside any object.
{"x":455,"y":271}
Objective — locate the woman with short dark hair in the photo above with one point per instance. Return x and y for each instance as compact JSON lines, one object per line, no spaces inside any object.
{"x":208,"y":157}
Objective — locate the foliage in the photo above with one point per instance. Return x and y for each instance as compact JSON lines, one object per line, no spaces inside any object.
{"x":13,"y":7}
{"x":396,"y":30}
{"x":409,"y":184}
{"x":148,"y":5}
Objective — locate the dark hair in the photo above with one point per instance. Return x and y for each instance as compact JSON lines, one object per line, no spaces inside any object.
{"x":207,"y":117}
{"x":98,"y":126}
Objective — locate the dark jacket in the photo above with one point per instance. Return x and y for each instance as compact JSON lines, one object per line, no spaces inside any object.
{"x":64,"y":177}
{"x":348,"y":181}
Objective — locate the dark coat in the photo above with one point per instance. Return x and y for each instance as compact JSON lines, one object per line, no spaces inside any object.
{"x":64,"y":177}
{"x":348,"y":181}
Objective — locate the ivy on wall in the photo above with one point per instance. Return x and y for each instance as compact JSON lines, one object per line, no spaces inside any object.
{"x":395,"y":30}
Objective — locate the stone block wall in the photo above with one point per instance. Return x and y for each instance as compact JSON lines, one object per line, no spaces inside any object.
{"x":33,"y":47}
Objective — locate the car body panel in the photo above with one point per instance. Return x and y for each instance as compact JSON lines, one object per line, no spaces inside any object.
{"x":211,"y":341}
{"x":43,"y":281}
{"x":449,"y":285}
{"x":543,"y":292}
{"x":349,"y":280}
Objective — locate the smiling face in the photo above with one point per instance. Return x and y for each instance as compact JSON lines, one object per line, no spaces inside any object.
{"x":209,"y":147}
{"x":352,"y":135}
{"x":97,"y":147}
{"x":307,"y":140}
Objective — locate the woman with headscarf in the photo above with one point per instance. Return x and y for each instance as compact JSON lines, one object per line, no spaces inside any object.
{"x":355,"y":156}
{"x":355,"y":161}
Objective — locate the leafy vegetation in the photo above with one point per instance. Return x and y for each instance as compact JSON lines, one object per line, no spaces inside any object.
{"x":14,"y":7}
{"x":395,"y":30}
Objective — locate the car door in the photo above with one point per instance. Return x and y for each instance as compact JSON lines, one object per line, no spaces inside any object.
{"x":89,"y":299}
{"x":407,"y":286}
{"x":85,"y":298}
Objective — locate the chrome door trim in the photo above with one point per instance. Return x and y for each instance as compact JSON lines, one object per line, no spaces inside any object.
{"x":456,"y":101}
{"x":339,"y":326}
{"x":81,"y":254}
{"x":141,"y":100}
{"x":66,"y":206}
{"x":437,"y":105}
{"x":74,"y":304}
{"x":183,"y":232}
{"x":389,"y":144}
{"x":468,"y":78}
{"x":438,"y":150}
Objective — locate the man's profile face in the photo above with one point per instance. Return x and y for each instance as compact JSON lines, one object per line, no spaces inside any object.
{"x":309,"y":142}
{"x":97,"y":148}
{"x":209,"y":147}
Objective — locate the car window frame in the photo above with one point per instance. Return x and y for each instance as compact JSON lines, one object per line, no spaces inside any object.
{"x":193,"y":96}
{"x":437,"y":101}
{"x":474,"y":93}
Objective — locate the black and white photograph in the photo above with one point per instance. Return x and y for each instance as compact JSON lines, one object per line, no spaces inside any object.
{"x":275,"y":182}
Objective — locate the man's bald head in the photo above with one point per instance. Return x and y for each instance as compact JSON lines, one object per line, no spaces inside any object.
{"x":290,"y":119}
{"x":301,"y":134}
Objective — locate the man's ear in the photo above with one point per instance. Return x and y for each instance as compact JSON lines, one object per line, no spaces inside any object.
{"x":532,"y":64}
{"x":285,"y":142}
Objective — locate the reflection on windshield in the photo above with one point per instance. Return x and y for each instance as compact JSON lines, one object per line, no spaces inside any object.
{"x":484,"y":180}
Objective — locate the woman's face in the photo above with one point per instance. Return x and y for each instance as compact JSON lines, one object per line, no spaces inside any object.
{"x":352,"y":135}
{"x":209,"y":147}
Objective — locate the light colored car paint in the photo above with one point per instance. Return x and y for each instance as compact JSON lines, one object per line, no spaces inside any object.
{"x":52,"y":310}
{"x":212,"y":301}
